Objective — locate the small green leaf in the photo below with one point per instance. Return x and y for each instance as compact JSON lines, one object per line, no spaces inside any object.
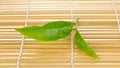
{"x":48,"y":32}
{"x":82,"y":45}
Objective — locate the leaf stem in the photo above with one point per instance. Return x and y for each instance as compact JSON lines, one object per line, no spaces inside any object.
{"x":76,"y":20}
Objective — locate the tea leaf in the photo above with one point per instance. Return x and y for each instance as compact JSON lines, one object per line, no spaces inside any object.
{"x":82,"y":45}
{"x":48,"y":32}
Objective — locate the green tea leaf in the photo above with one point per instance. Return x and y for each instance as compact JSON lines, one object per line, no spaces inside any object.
{"x":82,"y":45}
{"x":48,"y":32}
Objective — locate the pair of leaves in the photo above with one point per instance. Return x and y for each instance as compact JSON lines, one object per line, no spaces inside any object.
{"x":54,"y":31}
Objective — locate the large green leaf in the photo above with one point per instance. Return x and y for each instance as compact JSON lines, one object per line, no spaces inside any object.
{"x":82,"y":45}
{"x":48,"y":32}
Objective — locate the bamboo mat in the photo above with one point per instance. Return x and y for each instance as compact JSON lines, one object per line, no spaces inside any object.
{"x":98,"y":23}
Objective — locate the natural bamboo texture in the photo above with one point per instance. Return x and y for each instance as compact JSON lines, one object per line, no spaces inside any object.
{"x":97,"y":24}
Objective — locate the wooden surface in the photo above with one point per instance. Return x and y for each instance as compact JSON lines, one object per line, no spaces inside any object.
{"x":97,"y":24}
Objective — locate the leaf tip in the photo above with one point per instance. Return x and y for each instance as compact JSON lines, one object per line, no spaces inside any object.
{"x":17,"y":29}
{"x":96,"y":57}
